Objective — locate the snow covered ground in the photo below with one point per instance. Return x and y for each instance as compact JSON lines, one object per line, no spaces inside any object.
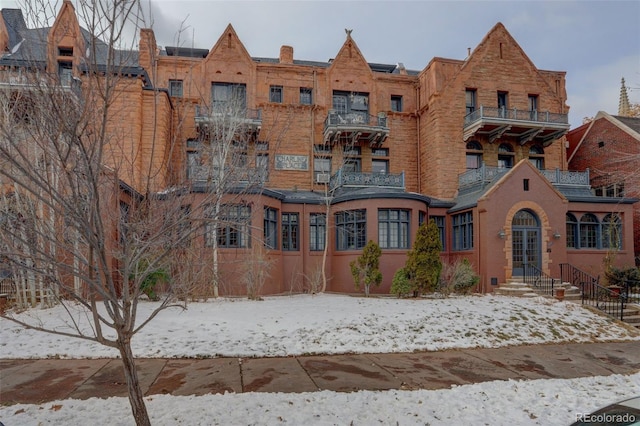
{"x":325,"y":324}
{"x":304,"y":324}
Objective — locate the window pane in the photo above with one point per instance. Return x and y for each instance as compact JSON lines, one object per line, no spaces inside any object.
{"x":379,"y":166}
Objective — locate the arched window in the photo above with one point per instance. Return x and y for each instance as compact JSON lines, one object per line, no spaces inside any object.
{"x":474,"y":155}
{"x":536,"y":156}
{"x":572,"y":231}
{"x":505,"y":156}
{"x":611,"y":231}
{"x":524,"y":218}
{"x":589,"y":231}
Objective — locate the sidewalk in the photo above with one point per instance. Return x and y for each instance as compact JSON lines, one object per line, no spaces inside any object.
{"x":38,"y":381}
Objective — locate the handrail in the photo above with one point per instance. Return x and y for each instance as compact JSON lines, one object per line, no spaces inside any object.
{"x":540,"y":281}
{"x":575,"y":276}
{"x":609,"y":300}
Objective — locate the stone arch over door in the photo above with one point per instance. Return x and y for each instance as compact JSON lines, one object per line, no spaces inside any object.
{"x":545,"y":229}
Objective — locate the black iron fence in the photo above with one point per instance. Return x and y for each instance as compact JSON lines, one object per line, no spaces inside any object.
{"x":540,"y":281}
{"x":610,"y":300}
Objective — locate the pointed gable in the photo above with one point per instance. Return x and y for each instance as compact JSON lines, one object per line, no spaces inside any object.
{"x":511,"y":181}
{"x":228,"y":58}
{"x":580,"y":136}
{"x":65,"y":37}
{"x":4,"y":34}
{"x":353,"y":69}
{"x":500,"y":56}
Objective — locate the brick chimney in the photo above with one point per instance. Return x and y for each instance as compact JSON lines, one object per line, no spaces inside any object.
{"x":286,"y":55}
{"x":148,"y":48}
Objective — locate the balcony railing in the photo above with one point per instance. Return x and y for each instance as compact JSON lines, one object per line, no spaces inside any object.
{"x":524,"y":124}
{"x":355,"y":125}
{"x":230,"y":177}
{"x":355,"y":118}
{"x":485,"y":175}
{"x":516,"y":114}
{"x":359,"y":179}
{"x":249,"y":117}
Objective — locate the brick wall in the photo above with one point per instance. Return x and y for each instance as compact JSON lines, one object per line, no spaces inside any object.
{"x":612,"y":155}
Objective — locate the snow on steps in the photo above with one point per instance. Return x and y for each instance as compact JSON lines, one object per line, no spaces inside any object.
{"x":515,"y":287}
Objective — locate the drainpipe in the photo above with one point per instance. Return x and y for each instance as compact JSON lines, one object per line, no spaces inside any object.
{"x":314,"y":94}
{"x":419,"y":165}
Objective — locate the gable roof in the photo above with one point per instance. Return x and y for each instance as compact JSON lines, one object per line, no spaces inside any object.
{"x":349,"y":54}
{"x":232,"y":44}
{"x":629,"y":125}
{"x":14,"y":24}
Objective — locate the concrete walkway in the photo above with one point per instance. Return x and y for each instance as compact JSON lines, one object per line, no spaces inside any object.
{"x":37,"y":381}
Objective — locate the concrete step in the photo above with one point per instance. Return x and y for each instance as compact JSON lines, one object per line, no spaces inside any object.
{"x":632,"y":319}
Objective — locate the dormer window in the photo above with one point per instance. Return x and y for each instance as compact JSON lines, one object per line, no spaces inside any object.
{"x":65,"y":51}
{"x":65,"y":73}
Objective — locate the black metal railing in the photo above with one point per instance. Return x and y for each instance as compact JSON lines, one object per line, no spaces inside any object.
{"x":540,"y":281}
{"x":630,"y":291}
{"x":611,"y":300}
{"x":574,"y":276}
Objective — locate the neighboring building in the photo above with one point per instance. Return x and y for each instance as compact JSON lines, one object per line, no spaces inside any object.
{"x":477,"y":144}
{"x":609,"y":146}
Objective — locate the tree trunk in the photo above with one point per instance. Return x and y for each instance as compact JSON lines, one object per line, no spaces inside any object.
{"x":136,"y":397}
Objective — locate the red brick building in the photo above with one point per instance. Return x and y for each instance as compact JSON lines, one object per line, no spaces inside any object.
{"x":609,"y":146}
{"x":367,"y":151}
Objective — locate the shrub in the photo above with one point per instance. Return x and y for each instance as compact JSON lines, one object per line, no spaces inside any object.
{"x":458,"y":277}
{"x":365,"y":270}
{"x":149,"y":278}
{"x":401,"y":285}
{"x":620,"y":276}
{"x":423,"y":261}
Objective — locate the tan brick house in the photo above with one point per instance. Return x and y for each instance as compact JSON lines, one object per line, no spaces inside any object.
{"x":367,"y":151}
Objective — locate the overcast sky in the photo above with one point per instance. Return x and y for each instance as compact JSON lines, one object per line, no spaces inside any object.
{"x":595,"y":42}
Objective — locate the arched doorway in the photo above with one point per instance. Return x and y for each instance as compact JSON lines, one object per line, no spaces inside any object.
{"x":525,"y":232}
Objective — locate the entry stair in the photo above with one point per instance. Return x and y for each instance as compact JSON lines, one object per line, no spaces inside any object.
{"x":516,"y":286}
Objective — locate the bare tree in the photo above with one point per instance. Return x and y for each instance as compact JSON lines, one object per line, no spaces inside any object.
{"x":80,"y":219}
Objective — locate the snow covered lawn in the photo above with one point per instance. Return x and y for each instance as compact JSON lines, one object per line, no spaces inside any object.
{"x":327,"y":324}
{"x":331,"y":324}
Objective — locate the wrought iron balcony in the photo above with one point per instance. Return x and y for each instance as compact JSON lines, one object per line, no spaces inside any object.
{"x":200,"y":175}
{"x":524,"y":124}
{"x":359,"y":179}
{"x":355,"y":126}
{"x":485,"y":175}
{"x":250,"y":119}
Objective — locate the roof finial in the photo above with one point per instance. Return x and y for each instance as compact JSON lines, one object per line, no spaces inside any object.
{"x":348,"y":32}
{"x":624,"y":109}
